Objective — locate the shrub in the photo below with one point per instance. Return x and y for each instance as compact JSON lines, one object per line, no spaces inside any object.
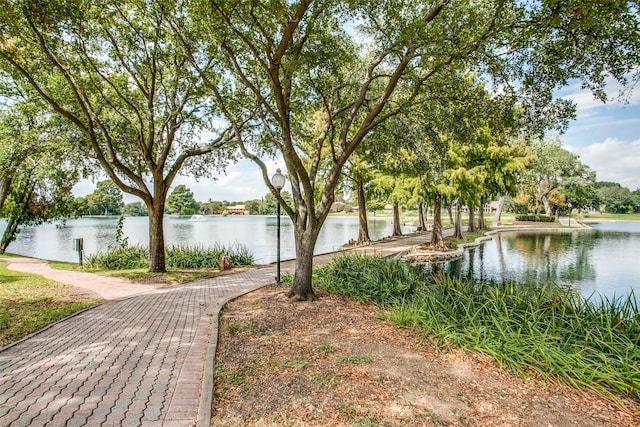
{"x":176,"y":256}
{"x":369,"y":279}
{"x":536,"y":218}
{"x":119,"y":258}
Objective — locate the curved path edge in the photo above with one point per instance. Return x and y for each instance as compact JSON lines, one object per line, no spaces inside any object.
{"x":205,"y":404}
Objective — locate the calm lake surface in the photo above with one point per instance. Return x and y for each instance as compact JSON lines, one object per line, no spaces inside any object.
{"x":605,"y":260}
{"x":258,"y":233}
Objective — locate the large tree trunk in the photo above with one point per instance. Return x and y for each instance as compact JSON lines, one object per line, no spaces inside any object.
{"x":472,"y":220}
{"x":457,"y":232}
{"x":422,"y":220}
{"x":363,"y":233}
{"x":396,"y":220}
{"x":546,"y":204}
{"x":498,"y":214}
{"x":5,"y":185}
{"x":156,"y":236}
{"x":302,"y":289}
{"x":9,"y":234}
{"x":481,"y":224}
{"x":437,"y":239}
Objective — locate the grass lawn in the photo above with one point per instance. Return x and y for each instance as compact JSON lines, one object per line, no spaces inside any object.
{"x":612,"y":217}
{"x":29,"y":302}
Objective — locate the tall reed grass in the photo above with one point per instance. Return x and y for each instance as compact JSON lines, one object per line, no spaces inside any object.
{"x":176,"y":256}
{"x":119,"y":258}
{"x":593,"y":343}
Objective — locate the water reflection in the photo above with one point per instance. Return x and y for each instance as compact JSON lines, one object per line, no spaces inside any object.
{"x":256,"y":232}
{"x":603,"y":261}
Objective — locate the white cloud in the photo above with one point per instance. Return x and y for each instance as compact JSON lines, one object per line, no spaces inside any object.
{"x":588,"y":105}
{"x":613,"y":160}
{"x":242,"y":181}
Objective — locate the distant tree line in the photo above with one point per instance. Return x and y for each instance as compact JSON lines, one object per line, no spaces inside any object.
{"x":107,"y":199}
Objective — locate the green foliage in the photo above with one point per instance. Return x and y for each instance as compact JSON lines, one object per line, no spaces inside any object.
{"x":177,"y":257}
{"x":135,"y":209}
{"x":535,"y":218}
{"x":196,"y":256}
{"x":121,"y":241}
{"x":106,"y":199}
{"x":119,"y":258}
{"x":117,"y":74}
{"x":588,"y":343}
{"x":182,"y":202}
{"x":38,"y":171}
{"x":369,"y":279}
{"x":557,"y":176}
{"x":617,"y":199}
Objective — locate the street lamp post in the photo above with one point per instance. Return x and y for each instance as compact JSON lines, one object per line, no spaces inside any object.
{"x":277,"y":180}
{"x":569,"y":206}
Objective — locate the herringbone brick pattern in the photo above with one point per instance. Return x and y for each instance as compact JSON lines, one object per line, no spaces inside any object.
{"x":127,"y":363}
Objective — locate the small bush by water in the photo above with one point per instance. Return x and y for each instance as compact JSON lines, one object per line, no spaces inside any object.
{"x":177,"y":256}
{"x":120,"y":258}
{"x":536,"y":218}
{"x":548,"y":330}
{"x":369,"y":279}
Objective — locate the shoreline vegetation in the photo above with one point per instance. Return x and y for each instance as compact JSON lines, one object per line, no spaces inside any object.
{"x":547,"y":330}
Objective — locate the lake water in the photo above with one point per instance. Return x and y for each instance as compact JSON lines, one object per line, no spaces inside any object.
{"x":605,"y":260}
{"x":258,"y":233}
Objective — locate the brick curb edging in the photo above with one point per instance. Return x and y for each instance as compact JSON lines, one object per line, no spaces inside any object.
{"x":205,"y":405}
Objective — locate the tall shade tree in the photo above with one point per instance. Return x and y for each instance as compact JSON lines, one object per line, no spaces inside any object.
{"x":40,"y":192}
{"x":358,"y":169}
{"x":552,"y":166}
{"x":19,"y":136}
{"x":616,"y":198}
{"x":181,"y":201}
{"x":116,"y":72}
{"x":288,"y":59}
{"x":39,"y":167}
{"x":106,"y":199}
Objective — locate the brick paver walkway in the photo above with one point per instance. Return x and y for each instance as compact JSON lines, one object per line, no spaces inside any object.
{"x":134,"y":362}
{"x":146,"y":360}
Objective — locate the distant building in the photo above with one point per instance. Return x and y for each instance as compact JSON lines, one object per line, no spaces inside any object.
{"x":237,"y":210}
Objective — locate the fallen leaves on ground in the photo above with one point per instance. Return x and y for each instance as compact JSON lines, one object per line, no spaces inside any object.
{"x":335,"y":362}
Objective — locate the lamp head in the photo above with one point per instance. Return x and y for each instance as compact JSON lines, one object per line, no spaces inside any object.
{"x":278,"y":180}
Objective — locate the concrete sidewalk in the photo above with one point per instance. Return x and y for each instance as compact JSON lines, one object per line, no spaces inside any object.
{"x":144,"y":359}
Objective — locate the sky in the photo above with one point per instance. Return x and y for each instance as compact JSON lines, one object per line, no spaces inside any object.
{"x":606,"y":137}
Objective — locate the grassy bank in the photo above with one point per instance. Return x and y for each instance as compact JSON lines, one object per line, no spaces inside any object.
{"x":611,"y":217}
{"x":548,"y":332}
{"x":30,"y":302}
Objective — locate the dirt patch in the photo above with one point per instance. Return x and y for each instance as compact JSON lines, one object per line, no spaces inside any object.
{"x":335,"y":362}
